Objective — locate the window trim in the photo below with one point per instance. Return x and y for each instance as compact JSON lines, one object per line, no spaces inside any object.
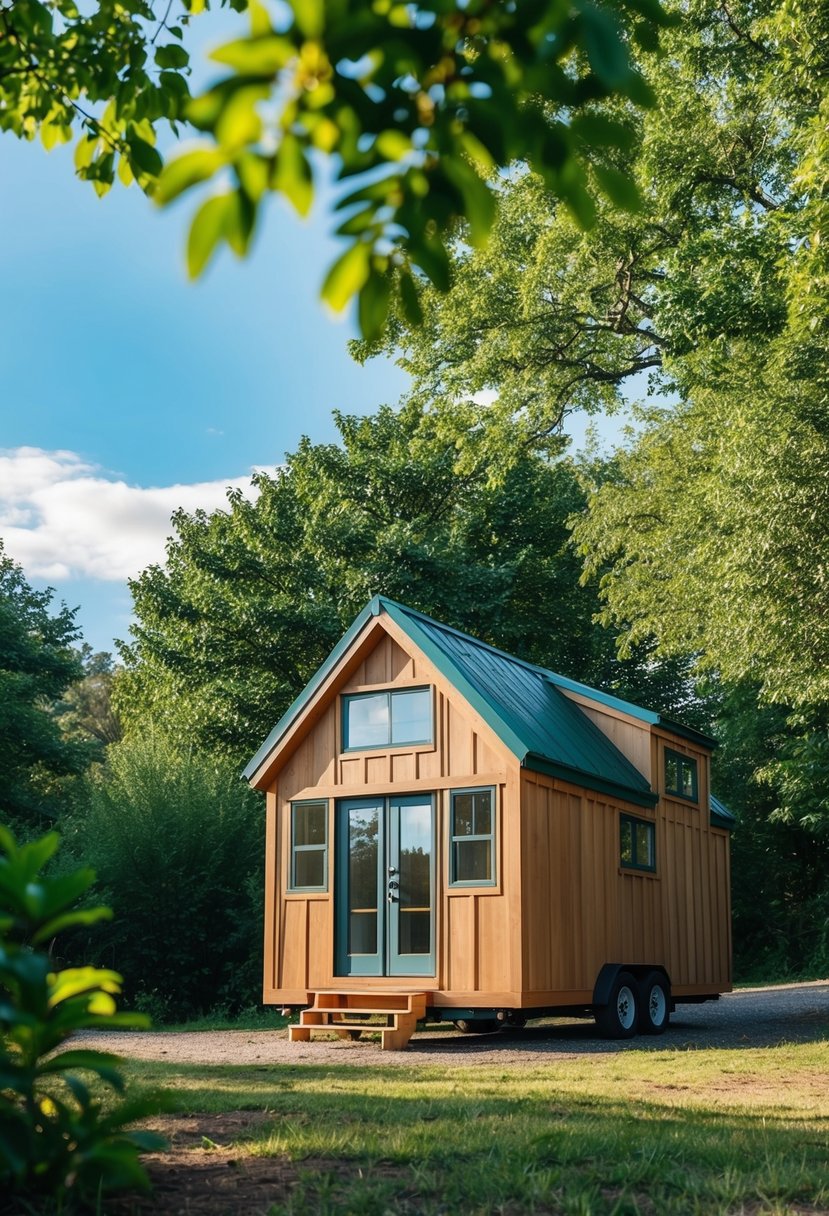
{"x":681,"y":758}
{"x":460,"y":884}
{"x":634,"y":865}
{"x":293,"y":849}
{"x":347,"y":698}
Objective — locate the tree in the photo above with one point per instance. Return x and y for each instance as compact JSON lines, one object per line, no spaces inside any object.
{"x":176,"y":840}
{"x":253,"y":598}
{"x":550,"y":319}
{"x":414,"y":105}
{"x":37,"y":665}
{"x":86,"y":711}
{"x":113,"y":71}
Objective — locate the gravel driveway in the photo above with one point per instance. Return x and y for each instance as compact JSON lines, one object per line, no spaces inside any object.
{"x":754,"y":1017}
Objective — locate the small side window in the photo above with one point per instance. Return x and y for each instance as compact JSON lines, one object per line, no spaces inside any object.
{"x":637,"y":844}
{"x":681,"y":776}
{"x":309,"y":846}
{"x":472,"y":838}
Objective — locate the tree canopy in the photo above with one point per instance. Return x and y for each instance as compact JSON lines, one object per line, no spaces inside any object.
{"x":37,"y":665}
{"x":252,"y":599}
{"x":413,"y":106}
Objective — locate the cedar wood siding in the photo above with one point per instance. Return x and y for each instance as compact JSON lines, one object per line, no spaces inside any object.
{"x":580,"y":909}
{"x":477,"y":935}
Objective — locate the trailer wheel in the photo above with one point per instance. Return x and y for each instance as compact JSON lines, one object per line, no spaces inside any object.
{"x":477,"y":1025}
{"x":619,"y":1018}
{"x":655,"y":1006}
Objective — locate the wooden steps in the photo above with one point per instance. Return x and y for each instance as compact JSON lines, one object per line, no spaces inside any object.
{"x":392,"y":1015}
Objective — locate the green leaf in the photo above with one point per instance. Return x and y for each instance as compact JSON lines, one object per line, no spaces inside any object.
{"x":605,"y":49}
{"x":478,"y":199}
{"x":206,"y":231}
{"x":171,"y":56}
{"x":347,"y":276}
{"x":432,"y":258}
{"x":393,"y":145}
{"x":186,"y":171}
{"x":256,"y":56}
{"x":239,"y":122}
{"x":104,"y":1064}
{"x":310,"y":16}
{"x":241,"y":218}
{"x":599,"y":131}
{"x":619,"y":188}
{"x":410,"y":299}
{"x":292,"y":174}
{"x":144,"y":157}
{"x":373,"y":305}
{"x":68,"y":920}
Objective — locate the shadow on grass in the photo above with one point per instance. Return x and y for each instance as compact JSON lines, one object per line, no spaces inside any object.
{"x":424,"y":1142}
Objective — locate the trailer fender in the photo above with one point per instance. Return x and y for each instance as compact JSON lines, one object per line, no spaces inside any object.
{"x":605,"y":981}
{"x":607,"y":978}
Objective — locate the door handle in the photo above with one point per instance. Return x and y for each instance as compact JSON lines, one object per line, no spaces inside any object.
{"x":393,"y":899}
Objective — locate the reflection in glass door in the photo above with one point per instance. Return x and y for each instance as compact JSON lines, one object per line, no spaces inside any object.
{"x":385,"y":886}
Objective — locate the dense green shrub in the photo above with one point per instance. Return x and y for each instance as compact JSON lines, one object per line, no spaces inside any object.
{"x":56,"y":1138}
{"x":175,"y":837}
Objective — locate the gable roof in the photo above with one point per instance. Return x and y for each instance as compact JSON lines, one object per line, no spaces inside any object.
{"x":521,"y":702}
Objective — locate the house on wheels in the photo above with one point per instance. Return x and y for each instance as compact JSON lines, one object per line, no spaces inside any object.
{"x":456,"y":834}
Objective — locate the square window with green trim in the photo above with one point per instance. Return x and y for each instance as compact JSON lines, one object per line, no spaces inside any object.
{"x":681,"y":776}
{"x":309,"y":846}
{"x":637,"y":844}
{"x":472,"y":838}
{"x":397,"y":718}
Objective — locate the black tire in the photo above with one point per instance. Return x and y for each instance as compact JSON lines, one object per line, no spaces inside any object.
{"x":478,"y":1025}
{"x":619,"y":1018}
{"x":655,"y":1005}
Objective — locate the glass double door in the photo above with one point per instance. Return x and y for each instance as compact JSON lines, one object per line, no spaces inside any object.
{"x":385,"y":886}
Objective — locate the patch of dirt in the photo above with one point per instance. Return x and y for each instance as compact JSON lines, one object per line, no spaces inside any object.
{"x":206,"y":1170}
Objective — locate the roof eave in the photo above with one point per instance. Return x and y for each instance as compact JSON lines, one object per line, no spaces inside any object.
{"x":372,"y":609}
{"x":539,"y":764}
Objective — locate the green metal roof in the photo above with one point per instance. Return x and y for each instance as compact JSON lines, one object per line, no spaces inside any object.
{"x":721,"y":817}
{"x":542,"y":727}
{"x":521,"y":702}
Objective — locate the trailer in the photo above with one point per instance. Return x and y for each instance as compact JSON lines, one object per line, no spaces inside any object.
{"x":455,"y":834}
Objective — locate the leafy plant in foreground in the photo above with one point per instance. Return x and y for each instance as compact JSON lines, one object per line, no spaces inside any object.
{"x":56,"y":1137}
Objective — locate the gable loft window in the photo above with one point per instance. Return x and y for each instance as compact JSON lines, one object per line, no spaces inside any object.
{"x":472,"y":832}
{"x":680,"y":776}
{"x":309,"y":846}
{"x":400,"y":717}
{"x":638,"y":844}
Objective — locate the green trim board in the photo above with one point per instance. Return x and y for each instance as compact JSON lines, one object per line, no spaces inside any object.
{"x":523,"y":704}
{"x":537,"y":764}
{"x":721,"y":816}
{"x":371,"y":609}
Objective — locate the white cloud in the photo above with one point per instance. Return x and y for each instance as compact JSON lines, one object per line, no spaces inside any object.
{"x":61,"y":517}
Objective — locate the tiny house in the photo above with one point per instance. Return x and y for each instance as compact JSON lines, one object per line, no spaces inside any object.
{"x":456,"y":834}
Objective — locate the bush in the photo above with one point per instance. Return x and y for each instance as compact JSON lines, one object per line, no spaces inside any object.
{"x":176,"y":839}
{"x":56,"y":1139}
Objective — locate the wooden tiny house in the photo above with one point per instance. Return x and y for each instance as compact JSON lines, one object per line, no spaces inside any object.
{"x":455,"y":833}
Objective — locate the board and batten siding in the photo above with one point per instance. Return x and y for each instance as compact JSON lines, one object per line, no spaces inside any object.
{"x":581,"y":909}
{"x":477,"y":937}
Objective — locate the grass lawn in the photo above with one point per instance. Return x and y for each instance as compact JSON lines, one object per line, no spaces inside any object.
{"x":686,"y":1132}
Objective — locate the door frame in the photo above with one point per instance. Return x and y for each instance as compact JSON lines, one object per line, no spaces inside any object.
{"x":384,"y":963}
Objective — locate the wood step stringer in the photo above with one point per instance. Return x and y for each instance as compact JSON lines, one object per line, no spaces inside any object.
{"x":343,"y":1014}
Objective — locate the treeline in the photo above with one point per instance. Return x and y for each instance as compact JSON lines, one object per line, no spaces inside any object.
{"x":687,"y":570}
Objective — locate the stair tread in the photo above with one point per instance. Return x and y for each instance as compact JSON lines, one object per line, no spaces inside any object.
{"x":356,"y":1009}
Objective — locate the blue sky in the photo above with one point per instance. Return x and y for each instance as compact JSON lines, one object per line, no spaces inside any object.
{"x":127,"y":390}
